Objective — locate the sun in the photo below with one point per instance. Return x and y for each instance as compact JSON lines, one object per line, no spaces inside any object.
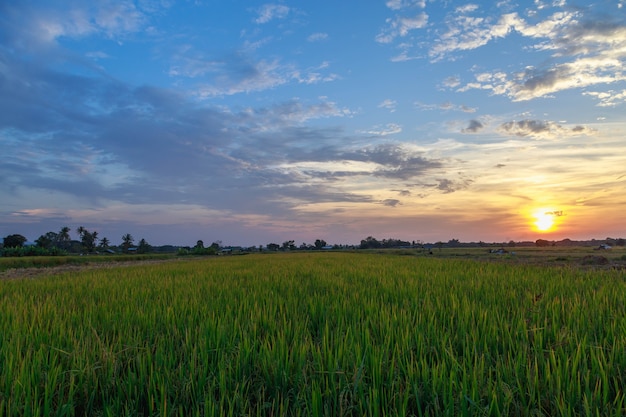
{"x":545,"y":219}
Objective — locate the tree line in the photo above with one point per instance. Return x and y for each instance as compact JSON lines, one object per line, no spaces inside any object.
{"x":61,"y":243}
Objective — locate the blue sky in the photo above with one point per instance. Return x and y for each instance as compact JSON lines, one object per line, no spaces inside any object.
{"x":257,"y":122}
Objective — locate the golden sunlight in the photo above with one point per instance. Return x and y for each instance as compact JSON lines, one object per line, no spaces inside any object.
{"x":544,"y":220}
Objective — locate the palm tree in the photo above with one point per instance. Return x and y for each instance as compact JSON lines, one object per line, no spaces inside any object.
{"x":104,"y":243}
{"x":64,"y":237}
{"x":127,"y":241}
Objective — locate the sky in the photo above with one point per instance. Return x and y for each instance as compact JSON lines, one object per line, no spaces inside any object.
{"x":250,"y":122}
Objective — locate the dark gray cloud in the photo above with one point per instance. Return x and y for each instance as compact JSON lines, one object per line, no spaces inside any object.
{"x":390,"y":202}
{"x":397,"y":162}
{"x":528,"y":127}
{"x":449,"y":185}
{"x":473,"y":127}
{"x":542,"y":129}
{"x":403,"y":193}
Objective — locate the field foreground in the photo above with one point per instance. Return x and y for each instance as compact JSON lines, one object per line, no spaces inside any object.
{"x":334,"y":334}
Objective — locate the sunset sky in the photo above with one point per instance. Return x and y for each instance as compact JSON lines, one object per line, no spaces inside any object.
{"x":250,"y":122}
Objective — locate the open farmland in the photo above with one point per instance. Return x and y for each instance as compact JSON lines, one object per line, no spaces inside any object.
{"x":315,"y":334}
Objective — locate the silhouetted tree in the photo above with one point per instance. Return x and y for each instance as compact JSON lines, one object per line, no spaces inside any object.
{"x":87,"y":239}
{"x":144,"y":247}
{"x":127,"y":242}
{"x":47,"y":241}
{"x":64,"y":238}
{"x":289,"y":244}
{"x":319,"y":243}
{"x":542,"y":243}
{"x":14,"y":241}
{"x":370,"y":243}
{"x":104,"y":243}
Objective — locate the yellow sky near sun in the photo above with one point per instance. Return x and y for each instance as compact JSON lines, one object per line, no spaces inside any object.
{"x":523,"y":187}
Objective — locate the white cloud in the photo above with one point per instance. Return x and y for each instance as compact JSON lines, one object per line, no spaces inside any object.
{"x":269,"y":12}
{"x":468,"y":8}
{"x":401,"y":26}
{"x":452,"y":82}
{"x":386,"y":130}
{"x":446,"y":106}
{"x":403,"y":4}
{"x":583,"y":55}
{"x":316,"y":37}
{"x":112,"y":19}
{"x":610,"y":98}
{"x":388,"y":104}
{"x":467,"y":33}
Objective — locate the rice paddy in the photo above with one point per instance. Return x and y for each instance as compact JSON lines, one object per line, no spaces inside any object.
{"x":315,"y":334}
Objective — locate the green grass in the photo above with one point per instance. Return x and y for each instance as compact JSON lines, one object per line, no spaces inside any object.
{"x":334,"y":334}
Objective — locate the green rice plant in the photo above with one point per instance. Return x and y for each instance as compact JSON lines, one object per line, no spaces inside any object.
{"x":314,"y":334}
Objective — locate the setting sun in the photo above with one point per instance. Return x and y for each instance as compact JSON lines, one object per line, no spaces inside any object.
{"x":545,"y":219}
{"x":544,"y":222}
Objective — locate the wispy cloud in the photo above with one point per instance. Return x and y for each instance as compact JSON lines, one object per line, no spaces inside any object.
{"x":386,"y":130}
{"x":318,"y":37}
{"x":388,"y":104}
{"x":468,"y":32}
{"x":610,"y":98}
{"x":400,"y":26}
{"x":113,"y":20}
{"x":403,"y":4}
{"x":269,"y":12}
{"x":447,"y":106}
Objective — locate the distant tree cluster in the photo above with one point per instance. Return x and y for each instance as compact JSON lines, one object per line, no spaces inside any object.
{"x":61,"y":243}
{"x":290,"y":245}
{"x":373,"y":243}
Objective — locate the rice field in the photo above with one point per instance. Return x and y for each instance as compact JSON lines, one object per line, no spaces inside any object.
{"x":315,"y":334}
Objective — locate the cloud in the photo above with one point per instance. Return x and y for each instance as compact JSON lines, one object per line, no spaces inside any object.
{"x":388,"y":104}
{"x":269,"y":12}
{"x":400,"y":26}
{"x":239,"y":73}
{"x":101,"y":141}
{"x":394,"y":161}
{"x":403,"y":4}
{"x":584,"y":53}
{"x":449,"y":186}
{"x":44,"y":26}
{"x":474,"y":126}
{"x":469,"y":32}
{"x":542,"y":129}
{"x":317,"y":37}
{"x":390,"y":202}
{"x":610,"y":98}
{"x":452,"y":82}
{"x":446,"y":106}
{"x":388,"y":129}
